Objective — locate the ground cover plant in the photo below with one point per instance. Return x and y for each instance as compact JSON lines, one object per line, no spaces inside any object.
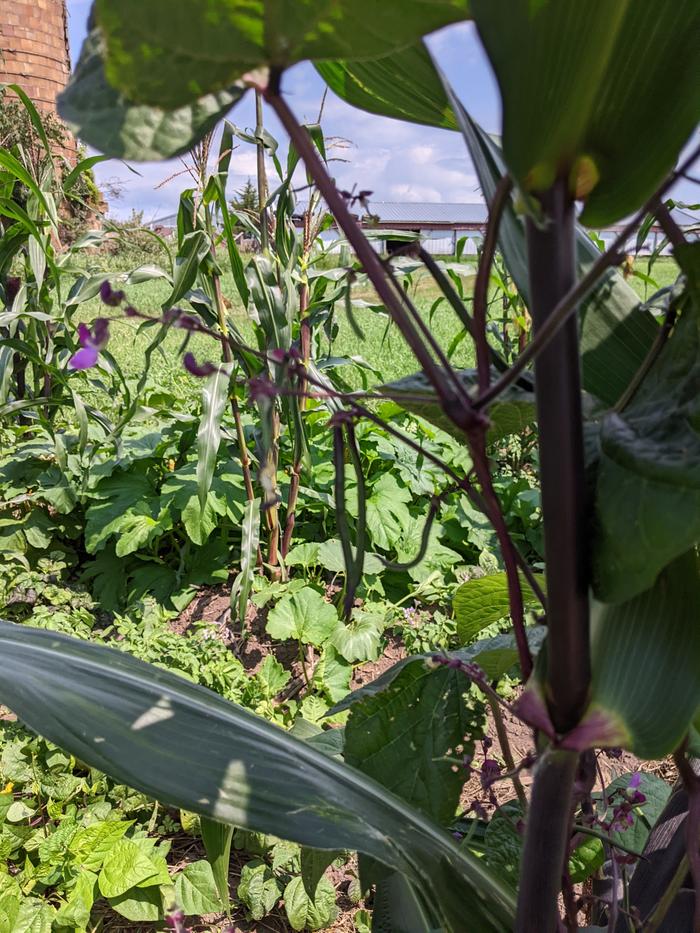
{"x":401,"y":565}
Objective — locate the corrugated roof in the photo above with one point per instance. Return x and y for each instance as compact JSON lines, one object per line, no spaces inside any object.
{"x":425,"y":212}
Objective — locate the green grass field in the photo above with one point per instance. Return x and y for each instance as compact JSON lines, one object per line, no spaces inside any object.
{"x":383,"y":347}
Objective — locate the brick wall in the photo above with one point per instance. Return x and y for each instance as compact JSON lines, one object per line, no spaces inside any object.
{"x":34,"y":48}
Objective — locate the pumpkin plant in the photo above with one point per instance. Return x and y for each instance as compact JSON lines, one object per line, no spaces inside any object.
{"x":614,"y":390}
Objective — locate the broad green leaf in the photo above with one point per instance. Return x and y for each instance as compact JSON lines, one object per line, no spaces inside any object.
{"x":483,"y":600}
{"x":170,"y":52}
{"x":616,"y":332}
{"x":110,"y":504}
{"x":75,"y":913}
{"x":410,"y":735}
{"x":217,"y":844}
{"x":139,"y":526}
{"x":306,"y":913}
{"x":504,"y":844}
{"x":360,"y":638}
{"x":646,"y":664}
{"x":387,"y":512}
{"x":91,"y":844}
{"x":272,"y":677}
{"x":330,"y":557}
{"x":196,"y":890}
{"x":437,"y":556}
{"x":190,"y":748}
{"x":314,"y":863}
{"x":303,"y":555}
{"x":284,"y":855}
{"x":214,"y":398}
{"x":6,"y":801}
{"x":104,"y":118}
{"x":403,"y":85}
{"x":332,"y":674}
{"x":258,"y":889}
{"x":34,"y":916}
{"x":581,"y":85}
{"x":141,"y":905}
{"x":124,"y":866}
{"x":648,"y":477}
{"x":510,"y":414}
{"x":495,"y":656}
{"x":304,"y":616}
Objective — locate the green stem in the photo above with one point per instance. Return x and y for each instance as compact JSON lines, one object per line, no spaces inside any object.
{"x":262,"y":173}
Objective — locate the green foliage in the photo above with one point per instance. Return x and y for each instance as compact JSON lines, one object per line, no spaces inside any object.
{"x":646,"y":663}
{"x":150,"y":66}
{"x":216,"y":745}
{"x":71,"y":835}
{"x":139,"y":491}
{"x":651,"y":453}
{"x":593,"y":120}
{"x":484,"y":600}
{"x":441,"y":720}
{"x":102,"y":116}
{"x":304,"y":617}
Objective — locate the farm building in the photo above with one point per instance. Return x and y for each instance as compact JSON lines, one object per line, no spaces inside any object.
{"x":442,"y":225}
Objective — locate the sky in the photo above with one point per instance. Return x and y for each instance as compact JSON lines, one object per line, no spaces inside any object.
{"x":396,"y":161}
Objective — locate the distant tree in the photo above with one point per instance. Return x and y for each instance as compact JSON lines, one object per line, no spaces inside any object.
{"x":246,"y":199}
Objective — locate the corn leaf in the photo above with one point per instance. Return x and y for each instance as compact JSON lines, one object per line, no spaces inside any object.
{"x":190,"y":748}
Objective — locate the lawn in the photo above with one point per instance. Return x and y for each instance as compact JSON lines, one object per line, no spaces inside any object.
{"x":382,"y":348}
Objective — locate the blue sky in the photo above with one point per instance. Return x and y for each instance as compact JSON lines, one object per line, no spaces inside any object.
{"x":396,"y":161}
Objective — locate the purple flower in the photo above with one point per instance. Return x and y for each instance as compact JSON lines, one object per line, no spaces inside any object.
{"x":490,"y":772}
{"x":635,"y":781}
{"x":109,"y":296}
{"x":91,"y":342}
{"x":197,"y":369}
{"x":185,"y":321}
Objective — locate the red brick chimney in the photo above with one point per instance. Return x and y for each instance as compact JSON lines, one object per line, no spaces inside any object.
{"x":34,"y":49}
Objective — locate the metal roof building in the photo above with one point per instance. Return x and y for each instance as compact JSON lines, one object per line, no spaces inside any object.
{"x":441,"y":224}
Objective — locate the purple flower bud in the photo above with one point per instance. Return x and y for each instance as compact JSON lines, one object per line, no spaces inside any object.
{"x":635,"y":781}
{"x":186,"y":322}
{"x":490,"y":771}
{"x":91,"y":342}
{"x":130,"y":311}
{"x":277,"y":356}
{"x":196,"y":369}
{"x":175,"y":919}
{"x":109,"y":296}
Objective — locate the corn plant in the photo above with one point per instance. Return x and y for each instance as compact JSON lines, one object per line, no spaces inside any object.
{"x":617,"y":662}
